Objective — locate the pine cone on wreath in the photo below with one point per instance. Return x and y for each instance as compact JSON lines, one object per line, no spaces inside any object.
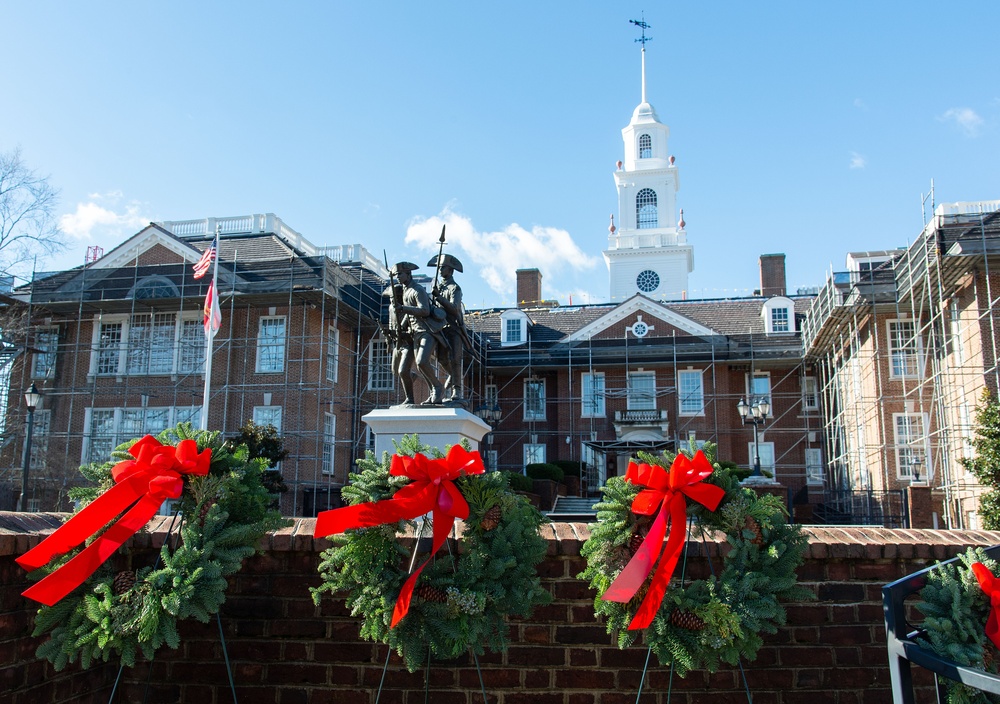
{"x":634,"y":542}
{"x":431,"y":594}
{"x":753,"y":526}
{"x":686,"y":620}
{"x":205,"y":508}
{"x":491,"y":519}
{"x":123,"y":581}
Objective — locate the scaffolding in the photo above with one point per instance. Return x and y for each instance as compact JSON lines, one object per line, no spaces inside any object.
{"x":906,"y":341}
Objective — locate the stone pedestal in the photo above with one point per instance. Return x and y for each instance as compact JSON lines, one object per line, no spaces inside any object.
{"x":437,"y":427}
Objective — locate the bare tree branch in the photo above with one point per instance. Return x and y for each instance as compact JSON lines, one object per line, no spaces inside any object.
{"x":28,"y":224}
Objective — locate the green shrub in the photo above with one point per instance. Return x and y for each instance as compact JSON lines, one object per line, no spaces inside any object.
{"x":544,"y":470}
{"x":570,"y":468}
{"x":519,"y":482}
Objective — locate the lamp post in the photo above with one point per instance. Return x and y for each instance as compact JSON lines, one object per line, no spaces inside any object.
{"x":755,"y":414}
{"x":491,"y":413}
{"x":32,"y":397}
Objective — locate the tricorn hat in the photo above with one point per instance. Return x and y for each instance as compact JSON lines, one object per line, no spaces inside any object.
{"x":403,"y":266}
{"x":447,"y":260}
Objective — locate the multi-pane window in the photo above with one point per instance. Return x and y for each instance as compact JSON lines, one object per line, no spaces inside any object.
{"x":267,"y":415}
{"x":332,"y":352}
{"x":691,"y":389}
{"x":911,"y":445}
{"x":490,"y":460}
{"x":107,"y":428}
{"x":810,"y":394}
{"x":814,"y":466}
{"x":645,"y":209}
{"x":534,"y":399}
{"x":271,"y":344}
{"x":904,"y":348}
{"x":779,"y":319}
{"x":534,"y":453}
{"x":592,"y":395}
{"x":40,"y":437}
{"x":766,"y":450}
{"x":380,"y":376}
{"x":645,"y":146}
{"x":642,"y":391}
{"x":513,"y":329}
{"x":329,"y":440}
{"x":43,"y":365}
{"x":160,"y":343}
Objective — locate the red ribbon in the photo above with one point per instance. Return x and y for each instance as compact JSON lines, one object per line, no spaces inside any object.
{"x":432,"y":489}
{"x":665,"y":495}
{"x":991,"y":587}
{"x":154,"y":475}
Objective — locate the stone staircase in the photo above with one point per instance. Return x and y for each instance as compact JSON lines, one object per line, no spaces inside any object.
{"x":573,"y":509}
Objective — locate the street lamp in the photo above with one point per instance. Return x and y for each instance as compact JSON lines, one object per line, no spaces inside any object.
{"x":491,"y":413}
{"x":754,"y":414}
{"x":32,"y":397}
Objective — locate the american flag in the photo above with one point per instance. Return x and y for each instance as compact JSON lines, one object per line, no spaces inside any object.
{"x":213,"y":314}
{"x":202,"y":266}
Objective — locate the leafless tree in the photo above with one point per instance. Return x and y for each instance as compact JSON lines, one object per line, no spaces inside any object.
{"x":28,"y":225}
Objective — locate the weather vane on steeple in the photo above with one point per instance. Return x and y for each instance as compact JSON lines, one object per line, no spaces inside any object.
{"x":641,"y":24}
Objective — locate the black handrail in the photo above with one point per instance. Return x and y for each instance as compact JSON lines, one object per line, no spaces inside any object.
{"x":903,"y":650}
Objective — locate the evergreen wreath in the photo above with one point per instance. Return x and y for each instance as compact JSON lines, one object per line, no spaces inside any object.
{"x":704,"y":622}
{"x":956,"y":612}
{"x":463,"y":598}
{"x":134,"y":609}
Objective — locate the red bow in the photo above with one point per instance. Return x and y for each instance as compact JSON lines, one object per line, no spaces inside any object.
{"x":665,"y":493}
{"x":991,"y":588}
{"x":432,"y":489}
{"x":154,"y":475}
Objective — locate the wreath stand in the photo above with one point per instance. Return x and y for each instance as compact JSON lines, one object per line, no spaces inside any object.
{"x":649,"y":650}
{"x":427,"y":669}
{"x":222,"y":638}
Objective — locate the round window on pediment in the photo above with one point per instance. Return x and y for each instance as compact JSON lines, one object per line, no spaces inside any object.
{"x":647,"y":281}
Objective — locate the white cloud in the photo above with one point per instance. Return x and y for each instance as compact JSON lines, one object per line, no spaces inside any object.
{"x":91,"y":219}
{"x":858,"y":161}
{"x":860,"y":104}
{"x":966,"y":119}
{"x":498,"y":255}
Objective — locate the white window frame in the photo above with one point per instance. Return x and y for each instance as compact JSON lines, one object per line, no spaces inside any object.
{"x":532,"y":452}
{"x":507,"y":326}
{"x":684,"y":407}
{"x":810,"y":394}
{"x":753,"y":394}
{"x":534,"y":405}
{"x":267,"y":415}
{"x":380,"y":374}
{"x":43,"y":362}
{"x":786,"y":324}
{"x":40,"y":430}
{"x":644,"y":146}
{"x":912,"y":448}
{"x":767,"y":462}
{"x":814,"y":466}
{"x":332,"y":353}
{"x":329,"y":443}
{"x":117,"y":425}
{"x":592,"y":395}
{"x":111,"y":358}
{"x":640,"y":400}
{"x":905,"y":356}
{"x":267,"y":343}
{"x":490,"y":458}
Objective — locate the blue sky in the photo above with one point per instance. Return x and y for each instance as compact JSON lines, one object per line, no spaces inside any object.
{"x":799,"y":127}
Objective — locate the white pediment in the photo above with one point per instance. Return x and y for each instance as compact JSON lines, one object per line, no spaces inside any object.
{"x":142,"y":242}
{"x":639,"y":304}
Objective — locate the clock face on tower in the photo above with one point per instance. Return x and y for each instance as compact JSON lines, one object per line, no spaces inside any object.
{"x":647,"y":281}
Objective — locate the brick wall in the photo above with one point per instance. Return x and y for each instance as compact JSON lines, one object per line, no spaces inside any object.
{"x":287,"y":651}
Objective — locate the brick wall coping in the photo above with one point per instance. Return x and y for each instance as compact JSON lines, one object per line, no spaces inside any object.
{"x":21,"y":531}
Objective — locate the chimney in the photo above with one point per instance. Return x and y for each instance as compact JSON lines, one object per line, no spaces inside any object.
{"x":772,"y":275}
{"x":529,"y":287}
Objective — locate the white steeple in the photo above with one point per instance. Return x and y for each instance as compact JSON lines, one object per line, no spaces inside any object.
{"x":648,"y":253}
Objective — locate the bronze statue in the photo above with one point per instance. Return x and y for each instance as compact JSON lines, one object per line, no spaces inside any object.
{"x":448,"y":295}
{"x":415,"y":332}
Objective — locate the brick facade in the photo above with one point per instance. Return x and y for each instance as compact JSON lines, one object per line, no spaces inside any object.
{"x":285,"y":650}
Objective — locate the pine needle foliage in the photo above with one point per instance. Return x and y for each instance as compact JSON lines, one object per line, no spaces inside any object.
{"x":955,"y":611}
{"x":737,"y":605}
{"x":222,"y":519}
{"x":985,"y":463}
{"x":489,"y":576}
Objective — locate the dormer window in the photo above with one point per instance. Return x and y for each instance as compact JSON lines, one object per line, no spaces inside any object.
{"x":779,"y":316}
{"x":513,"y":327}
{"x":645,"y":146}
{"x":645,"y":209}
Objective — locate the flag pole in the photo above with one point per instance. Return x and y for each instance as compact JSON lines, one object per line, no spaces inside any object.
{"x":210,"y":337}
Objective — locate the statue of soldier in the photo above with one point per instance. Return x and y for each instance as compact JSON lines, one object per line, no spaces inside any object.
{"x":448,"y":295}
{"x":417,"y":334}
